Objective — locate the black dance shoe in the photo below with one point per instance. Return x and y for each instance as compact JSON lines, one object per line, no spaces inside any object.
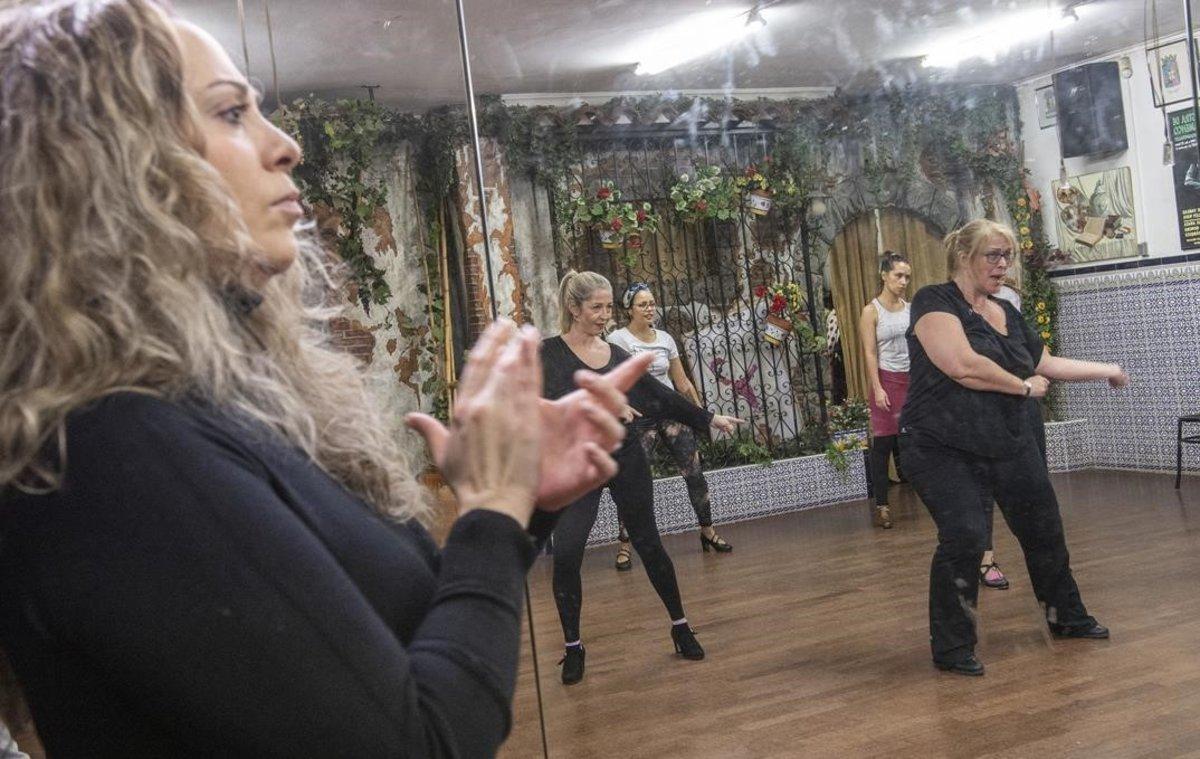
{"x":685,"y":641}
{"x":572,"y":664}
{"x":1093,"y":631}
{"x":969,"y":666}
{"x":715,"y":543}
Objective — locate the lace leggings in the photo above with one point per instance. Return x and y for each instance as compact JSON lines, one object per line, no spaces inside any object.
{"x":681,"y":442}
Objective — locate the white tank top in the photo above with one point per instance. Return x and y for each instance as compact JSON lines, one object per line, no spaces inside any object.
{"x":889,"y":336}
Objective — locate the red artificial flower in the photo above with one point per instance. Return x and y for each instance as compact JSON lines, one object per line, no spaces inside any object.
{"x":603,"y":193}
{"x":641,"y":216}
{"x":701,"y":205}
{"x":779,"y":304}
{"x":616,"y":225}
{"x":635,"y":242}
{"x":760,"y":291}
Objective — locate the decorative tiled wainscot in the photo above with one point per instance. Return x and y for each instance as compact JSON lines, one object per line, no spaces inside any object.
{"x":1148,"y":320}
{"x":747,"y":492}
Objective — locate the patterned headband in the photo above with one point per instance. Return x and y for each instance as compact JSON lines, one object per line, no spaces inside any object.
{"x":631,"y":293}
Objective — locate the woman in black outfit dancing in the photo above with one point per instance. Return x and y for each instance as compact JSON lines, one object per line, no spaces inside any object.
{"x":211,"y":540}
{"x":967,"y":437}
{"x":586,"y":305}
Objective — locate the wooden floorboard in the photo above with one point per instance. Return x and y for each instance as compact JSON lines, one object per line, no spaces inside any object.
{"x":816,"y":632}
{"x":817,"y":636}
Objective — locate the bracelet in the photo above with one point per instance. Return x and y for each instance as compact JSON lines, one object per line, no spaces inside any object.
{"x":1028,"y":387}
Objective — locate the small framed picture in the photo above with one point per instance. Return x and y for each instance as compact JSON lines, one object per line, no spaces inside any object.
{"x":1047,"y":106}
{"x":1169,"y":79}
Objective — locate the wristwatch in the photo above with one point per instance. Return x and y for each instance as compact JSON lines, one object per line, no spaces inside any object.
{"x":1028,"y":387}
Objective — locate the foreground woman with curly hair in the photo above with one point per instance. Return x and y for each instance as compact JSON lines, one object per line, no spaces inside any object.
{"x":211,"y":539}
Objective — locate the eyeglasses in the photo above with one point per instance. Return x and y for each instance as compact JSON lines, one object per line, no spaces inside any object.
{"x":993,"y":256}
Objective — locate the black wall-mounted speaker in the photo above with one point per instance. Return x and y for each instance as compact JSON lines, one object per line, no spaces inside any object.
{"x":1091,"y":114}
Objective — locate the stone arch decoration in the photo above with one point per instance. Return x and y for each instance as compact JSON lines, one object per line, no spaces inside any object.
{"x":853,"y":197}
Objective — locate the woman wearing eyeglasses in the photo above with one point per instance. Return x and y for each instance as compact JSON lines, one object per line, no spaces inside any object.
{"x":641,"y":337}
{"x":967,"y":438}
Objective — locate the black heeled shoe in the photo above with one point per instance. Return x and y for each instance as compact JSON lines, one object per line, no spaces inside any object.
{"x":969,"y":666}
{"x":685,"y":641}
{"x":1094,"y":631}
{"x":572,"y":664}
{"x":716,"y":543}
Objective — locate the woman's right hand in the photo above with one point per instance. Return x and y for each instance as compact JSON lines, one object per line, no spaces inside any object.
{"x":881,"y":399}
{"x":726,"y":424}
{"x":1038,"y":386}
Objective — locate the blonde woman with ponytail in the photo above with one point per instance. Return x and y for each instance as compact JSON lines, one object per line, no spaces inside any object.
{"x":211,"y":541}
{"x":966,"y":439}
{"x":585,"y":312}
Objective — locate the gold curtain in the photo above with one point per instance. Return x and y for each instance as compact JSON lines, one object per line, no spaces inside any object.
{"x":854,"y":266}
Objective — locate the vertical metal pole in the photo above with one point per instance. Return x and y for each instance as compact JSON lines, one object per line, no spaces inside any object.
{"x":487,"y":251}
{"x":473,"y":117}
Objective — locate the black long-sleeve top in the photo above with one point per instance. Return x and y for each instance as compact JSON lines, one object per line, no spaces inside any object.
{"x":651,"y":398}
{"x":198,"y":588}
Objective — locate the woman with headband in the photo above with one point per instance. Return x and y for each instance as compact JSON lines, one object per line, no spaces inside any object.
{"x":640,"y":336}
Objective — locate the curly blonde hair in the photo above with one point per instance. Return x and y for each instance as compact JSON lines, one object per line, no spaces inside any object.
{"x":122,"y":247}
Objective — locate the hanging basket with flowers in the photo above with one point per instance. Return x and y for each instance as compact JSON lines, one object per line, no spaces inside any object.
{"x":757,"y":193}
{"x":705,"y":194}
{"x":785,"y":308}
{"x":618,"y":223}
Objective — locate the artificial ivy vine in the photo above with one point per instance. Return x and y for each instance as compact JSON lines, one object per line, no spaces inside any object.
{"x":956,"y":137}
{"x":340,"y":142}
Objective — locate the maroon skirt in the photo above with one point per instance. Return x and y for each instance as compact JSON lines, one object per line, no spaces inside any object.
{"x":895,"y":384}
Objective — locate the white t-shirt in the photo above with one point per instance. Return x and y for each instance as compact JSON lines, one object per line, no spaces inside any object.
{"x":663,"y":347}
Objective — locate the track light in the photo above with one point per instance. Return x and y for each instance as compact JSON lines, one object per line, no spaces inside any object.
{"x":697,"y":36}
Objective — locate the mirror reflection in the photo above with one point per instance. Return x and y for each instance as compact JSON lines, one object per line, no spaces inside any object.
{"x":856,"y":358}
{"x":764,"y":190}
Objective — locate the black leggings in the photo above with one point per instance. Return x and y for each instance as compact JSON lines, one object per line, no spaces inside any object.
{"x":882,"y":447}
{"x":632,"y":491}
{"x":958,"y":489}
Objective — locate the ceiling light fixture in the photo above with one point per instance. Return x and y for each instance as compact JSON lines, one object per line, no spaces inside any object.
{"x":696,"y":37}
{"x":989,"y":40}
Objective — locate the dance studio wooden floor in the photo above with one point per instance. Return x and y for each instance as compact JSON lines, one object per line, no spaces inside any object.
{"x":816,"y":633}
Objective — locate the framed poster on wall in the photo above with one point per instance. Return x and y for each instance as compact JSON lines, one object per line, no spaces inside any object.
{"x":1169,"y":67}
{"x":1047,"y":106}
{"x":1182,"y":124}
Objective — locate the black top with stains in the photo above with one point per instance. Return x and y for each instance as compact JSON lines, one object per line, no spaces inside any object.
{"x":995,"y":425}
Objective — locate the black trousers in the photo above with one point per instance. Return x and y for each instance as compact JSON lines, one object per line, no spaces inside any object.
{"x":632,"y":491}
{"x":1039,"y":436}
{"x":958,"y":488}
